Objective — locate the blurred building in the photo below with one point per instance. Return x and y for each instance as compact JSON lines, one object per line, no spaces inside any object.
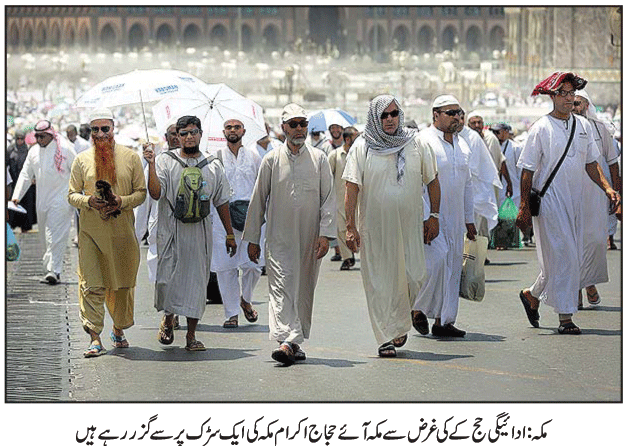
{"x":417,"y":29}
{"x":585,"y":40}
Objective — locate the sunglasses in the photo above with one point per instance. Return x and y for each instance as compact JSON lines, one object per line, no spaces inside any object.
{"x":454,"y":112}
{"x":564,"y":93}
{"x":184,"y":133}
{"x":577,"y":103}
{"x":105,"y":129}
{"x":40,"y":135}
{"x":295,"y":124}
{"x":393,"y":113}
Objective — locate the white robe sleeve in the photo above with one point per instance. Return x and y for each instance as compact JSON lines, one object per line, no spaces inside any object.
{"x":25,"y":178}
{"x":328,"y":201}
{"x":258,"y":202}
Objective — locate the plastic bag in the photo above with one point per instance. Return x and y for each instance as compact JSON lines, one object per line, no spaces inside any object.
{"x":506,"y":234}
{"x":13,"y":249}
{"x":472,"y":283}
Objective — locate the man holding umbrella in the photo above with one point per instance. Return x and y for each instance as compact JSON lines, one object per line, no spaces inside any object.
{"x":108,"y":251}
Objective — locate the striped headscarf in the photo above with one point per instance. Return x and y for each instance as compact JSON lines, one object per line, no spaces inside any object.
{"x":45,"y":126}
{"x":382,"y":143}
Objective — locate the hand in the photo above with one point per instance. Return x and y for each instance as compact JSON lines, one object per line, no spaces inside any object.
{"x":353,"y":240}
{"x":253,"y":251}
{"x":148,"y":152}
{"x":524,"y":221}
{"x":431,"y":229}
{"x":97,"y":203}
{"x":618,"y":212}
{"x":15,"y":201}
{"x":471,"y":231}
{"x":230,"y":246}
{"x":321,"y":247}
{"x":614,"y":200}
{"x":110,"y":208}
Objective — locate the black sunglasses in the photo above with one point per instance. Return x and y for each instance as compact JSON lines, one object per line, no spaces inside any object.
{"x":104,"y":128}
{"x":40,"y":135}
{"x":454,"y":112}
{"x":577,"y":103}
{"x":193,"y":132}
{"x":393,"y":113}
{"x":295,"y":124}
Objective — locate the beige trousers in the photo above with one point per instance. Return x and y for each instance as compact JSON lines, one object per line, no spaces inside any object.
{"x":120,"y":305}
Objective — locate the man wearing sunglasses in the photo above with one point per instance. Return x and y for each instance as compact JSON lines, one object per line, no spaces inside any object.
{"x":439,"y":295}
{"x":48,"y":166}
{"x":598,"y":225}
{"x":108,"y":251}
{"x":294,"y":191}
{"x":559,"y":225}
{"x":387,"y":169}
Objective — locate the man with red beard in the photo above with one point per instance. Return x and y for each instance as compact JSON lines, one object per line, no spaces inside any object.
{"x":108,"y":253}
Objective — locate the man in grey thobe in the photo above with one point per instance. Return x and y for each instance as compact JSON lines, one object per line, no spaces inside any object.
{"x":294,"y":190}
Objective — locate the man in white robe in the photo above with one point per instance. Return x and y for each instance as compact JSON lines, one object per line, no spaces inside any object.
{"x":389,"y":170}
{"x":485,"y":180}
{"x":595,"y":204}
{"x":294,"y":191}
{"x":241,"y":169}
{"x":48,"y":165}
{"x":511,"y":151}
{"x":559,"y":225}
{"x":184,"y":249}
{"x":439,"y":296}
{"x":337,"y":161}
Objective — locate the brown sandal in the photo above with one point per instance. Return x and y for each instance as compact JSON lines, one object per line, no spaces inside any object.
{"x":194,"y":346}
{"x":231,"y":322}
{"x":165,"y":333}
{"x":250,"y":314}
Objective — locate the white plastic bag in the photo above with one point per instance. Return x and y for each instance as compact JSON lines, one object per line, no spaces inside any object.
{"x":472,"y":284}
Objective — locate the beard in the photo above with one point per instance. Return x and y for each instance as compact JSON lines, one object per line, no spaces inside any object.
{"x":190,"y":150}
{"x":105,"y":159}
{"x":233,"y":138}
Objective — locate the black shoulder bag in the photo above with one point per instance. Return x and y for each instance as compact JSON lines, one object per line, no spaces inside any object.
{"x":535,"y":198}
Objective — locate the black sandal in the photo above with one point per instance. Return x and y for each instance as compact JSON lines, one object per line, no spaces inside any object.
{"x":532,"y":315}
{"x":569,"y":327}
{"x":387,"y":350}
{"x":400,"y":341}
{"x":420,"y":322}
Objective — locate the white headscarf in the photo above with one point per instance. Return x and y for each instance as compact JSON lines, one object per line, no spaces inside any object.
{"x":591,"y":110}
{"x":382,"y":143}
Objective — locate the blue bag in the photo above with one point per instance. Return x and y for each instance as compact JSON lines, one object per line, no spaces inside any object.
{"x":12,"y":250}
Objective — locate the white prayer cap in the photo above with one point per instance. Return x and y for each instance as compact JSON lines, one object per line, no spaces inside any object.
{"x":472,"y":114}
{"x":293,"y":111}
{"x":101,"y":113}
{"x":445,"y":99}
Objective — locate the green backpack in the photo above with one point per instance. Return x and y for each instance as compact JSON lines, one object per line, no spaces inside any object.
{"x":192,"y":204}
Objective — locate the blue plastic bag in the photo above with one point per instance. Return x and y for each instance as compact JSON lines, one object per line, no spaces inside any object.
{"x":13,"y":249}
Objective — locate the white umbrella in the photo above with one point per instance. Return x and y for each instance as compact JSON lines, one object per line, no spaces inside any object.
{"x":320,"y":121}
{"x":213,"y":105}
{"x":140,"y":86}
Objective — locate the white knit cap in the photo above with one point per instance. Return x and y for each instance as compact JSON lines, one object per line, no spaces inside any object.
{"x":445,"y":99}
{"x":101,"y":113}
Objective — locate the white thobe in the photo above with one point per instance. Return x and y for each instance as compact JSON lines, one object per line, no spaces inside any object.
{"x":511,"y":150}
{"x":337,"y":161}
{"x":146,"y":220}
{"x":81,"y":144}
{"x":391,"y":231}
{"x":485,"y":181}
{"x":185,"y":249}
{"x":295,"y":192}
{"x":54,"y":213}
{"x":595,"y":210}
{"x":241,"y":172}
{"x":559,"y":226}
{"x":439,"y":296}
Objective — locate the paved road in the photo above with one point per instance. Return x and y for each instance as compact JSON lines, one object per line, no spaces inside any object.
{"x":501,"y":359}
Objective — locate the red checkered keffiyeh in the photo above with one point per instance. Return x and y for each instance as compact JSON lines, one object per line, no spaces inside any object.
{"x":45,"y":126}
{"x":550,"y":85}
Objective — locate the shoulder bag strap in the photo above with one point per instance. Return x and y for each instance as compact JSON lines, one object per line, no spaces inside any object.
{"x":565,"y":152}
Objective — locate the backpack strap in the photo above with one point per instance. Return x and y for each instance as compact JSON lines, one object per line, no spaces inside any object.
{"x":173,"y":155}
